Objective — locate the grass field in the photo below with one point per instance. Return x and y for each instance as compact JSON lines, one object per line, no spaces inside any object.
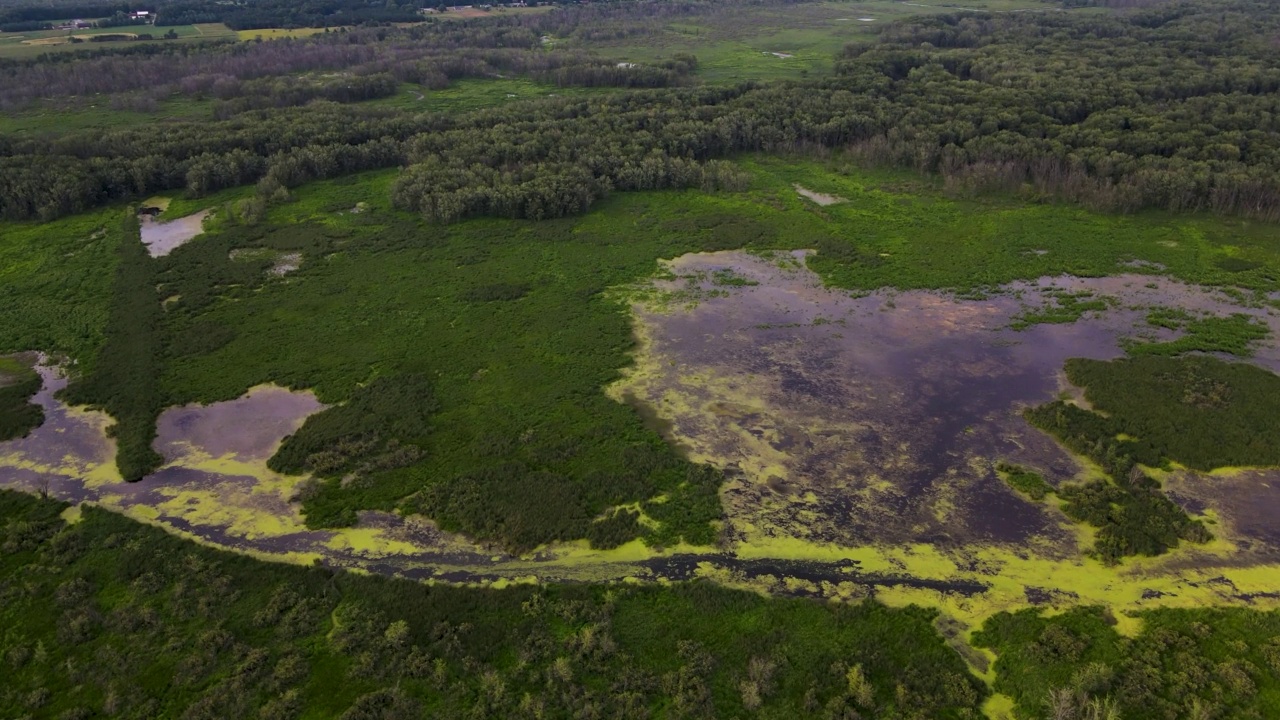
{"x":277,"y":33}
{"x":738,"y":45}
{"x":96,"y":113}
{"x":32,"y":44}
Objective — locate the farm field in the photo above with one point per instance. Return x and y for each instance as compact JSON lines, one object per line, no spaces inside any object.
{"x":31,"y":44}
{"x":814,"y":359}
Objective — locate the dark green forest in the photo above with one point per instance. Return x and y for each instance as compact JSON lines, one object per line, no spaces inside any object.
{"x":1170,"y":106}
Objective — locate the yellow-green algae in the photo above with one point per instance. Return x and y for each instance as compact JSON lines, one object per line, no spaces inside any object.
{"x":248,"y":502}
{"x":1222,"y":572}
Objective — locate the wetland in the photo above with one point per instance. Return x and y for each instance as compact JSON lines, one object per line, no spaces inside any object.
{"x":642,"y":360}
{"x":859,"y":435}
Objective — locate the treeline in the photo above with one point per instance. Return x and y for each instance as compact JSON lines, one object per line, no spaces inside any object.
{"x":45,"y":11}
{"x":285,"y":13}
{"x":126,"y":620}
{"x":428,"y":53}
{"x":1173,"y":107}
{"x":120,"y":19}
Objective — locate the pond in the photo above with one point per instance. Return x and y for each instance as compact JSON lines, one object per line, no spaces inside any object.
{"x":162,"y":238}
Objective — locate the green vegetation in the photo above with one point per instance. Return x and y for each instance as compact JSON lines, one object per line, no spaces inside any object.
{"x":1132,"y":515}
{"x":1026,"y":481}
{"x":125,"y":378}
{"x":108,"y":616}
{"x":767,"y":42}
{"x":450,"y":298}
{"x":911,"y":99}
{"x":505,"y":319}
{"x":1067,"y":307}
{"x":1133,"y":518}
{"x":471,"y":94}
{"x":508,"y":320}
{"x":18,"y":416}
{"x":55,"y":284}
{"x":1204,"y":663}
{"x":510,"y":323}
{"x":1235,"y":334}
{"x":1197,"y":411}
{"x":380,"y":428}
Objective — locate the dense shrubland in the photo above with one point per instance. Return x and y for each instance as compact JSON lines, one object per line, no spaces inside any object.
{"x":18,"y":415}
{"x":124,"y":380}
{"x":111,"y":617}
{"x":1205,"y":663}
{"x":1149,"y":410}
{"x":1198,"y":411}
{"x":466,"y":380}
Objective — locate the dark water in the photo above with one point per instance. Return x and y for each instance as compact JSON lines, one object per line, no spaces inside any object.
{"x":859,"y":420}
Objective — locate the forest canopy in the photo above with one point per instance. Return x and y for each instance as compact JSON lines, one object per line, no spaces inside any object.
{"x":1172,"y":106}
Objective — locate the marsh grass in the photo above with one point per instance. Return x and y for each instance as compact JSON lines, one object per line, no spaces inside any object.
{"x":1197,"y":411}
{"x":1066,"y":307}
{"x":1150,"y":410}
{"x":1235,"y":334}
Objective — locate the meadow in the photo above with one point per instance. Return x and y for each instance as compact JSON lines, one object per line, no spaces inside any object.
{"x":31,"y":44}
{"x":779,"y":42}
